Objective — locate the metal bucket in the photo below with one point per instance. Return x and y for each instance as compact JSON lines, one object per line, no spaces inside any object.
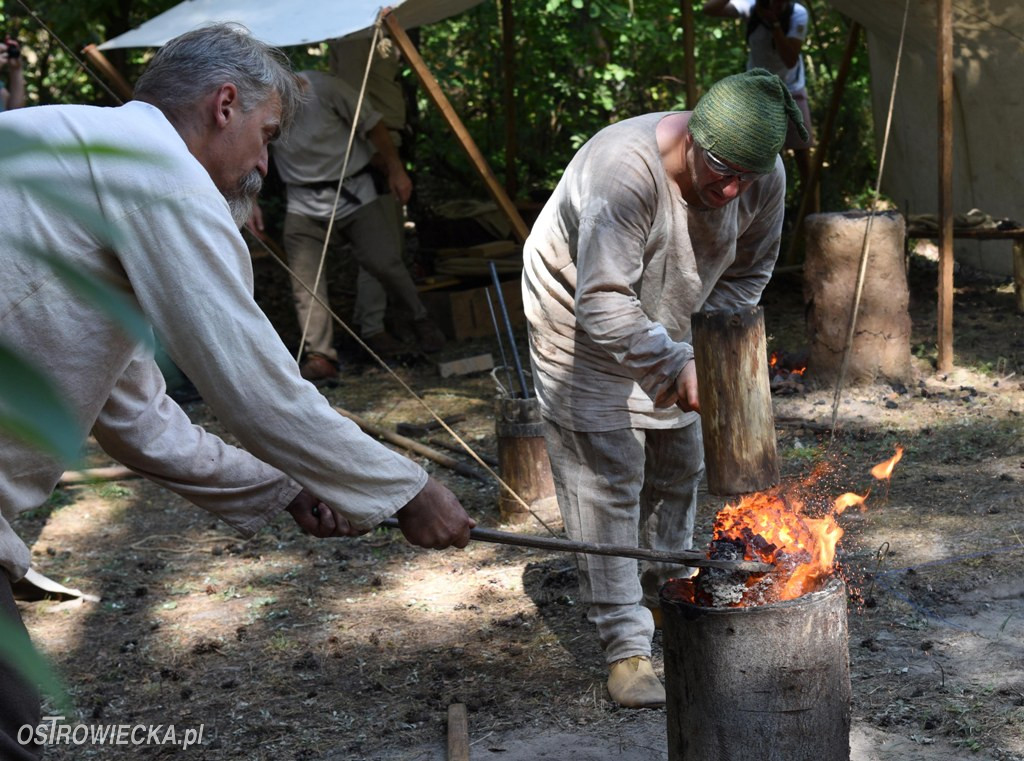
{"x":769,"y":681}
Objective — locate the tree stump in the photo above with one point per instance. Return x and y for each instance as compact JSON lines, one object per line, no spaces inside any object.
{"x":731,"y":355}
{"x":770,"y":682}
{"x":881,"y":341}
{"x":523,"y":460}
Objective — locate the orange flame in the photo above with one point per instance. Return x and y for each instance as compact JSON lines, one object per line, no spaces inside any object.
{"x":883,"y":470}
{"x":776,"y":527}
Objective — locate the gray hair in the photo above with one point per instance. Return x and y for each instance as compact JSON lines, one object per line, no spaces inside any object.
{"x":192,"y":65}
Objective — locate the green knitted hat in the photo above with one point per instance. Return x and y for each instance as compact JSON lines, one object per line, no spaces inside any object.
{"x":743,"y":119}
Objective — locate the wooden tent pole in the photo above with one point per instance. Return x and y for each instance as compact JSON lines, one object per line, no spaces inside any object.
{"x":689,"y":69}
{"x":111,"y":74}
{"x":822,"y":147}
{"x":440,"y":100}
{"x":945,"y":80}
{"x":508,"y":49}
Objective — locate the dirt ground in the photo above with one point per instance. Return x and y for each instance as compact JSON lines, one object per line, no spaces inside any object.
{"x":288,"y":647}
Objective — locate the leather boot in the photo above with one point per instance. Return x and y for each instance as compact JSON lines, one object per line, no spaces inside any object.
{"x":632,"y":683}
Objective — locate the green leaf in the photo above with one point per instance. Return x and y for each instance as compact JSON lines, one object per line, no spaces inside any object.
{"x":32,"y":410}
{"x":16,"y":649}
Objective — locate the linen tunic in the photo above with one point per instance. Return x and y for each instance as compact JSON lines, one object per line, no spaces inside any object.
{"x":308,"y":158}
{"x":181,"y":260}
{"x":615,"y":265}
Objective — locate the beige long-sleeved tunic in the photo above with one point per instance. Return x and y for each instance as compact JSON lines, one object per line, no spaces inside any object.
{"x":179,"y":257}
{"x":615,"y":265}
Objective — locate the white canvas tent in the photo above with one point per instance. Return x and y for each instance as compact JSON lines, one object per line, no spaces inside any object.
{"x":988,"y":56}
{"x":286,"y":23}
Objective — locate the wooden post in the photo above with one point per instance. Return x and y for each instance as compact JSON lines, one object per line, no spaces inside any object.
{"x":689,"y":69}
{"x":821,"y":149}
{"x":945,"y":78}
{"x":1018,"y":273}
{"x":458,"y":733}
{"x":440,"y":100}
{"x":731,"y":355}
{"x":508,"y":49}
{"x":121,"y":87}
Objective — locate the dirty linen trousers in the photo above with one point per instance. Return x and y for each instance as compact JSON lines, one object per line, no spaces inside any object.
{"x":633,"y":487}
{"x":19,"y":701}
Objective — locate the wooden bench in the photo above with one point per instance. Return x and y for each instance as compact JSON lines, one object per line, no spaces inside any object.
{"x":1015,"y":234}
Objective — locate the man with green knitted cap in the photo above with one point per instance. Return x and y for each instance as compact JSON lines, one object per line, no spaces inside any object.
{"x":655,"y":218}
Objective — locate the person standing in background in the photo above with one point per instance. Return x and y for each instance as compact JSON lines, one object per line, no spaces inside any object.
{"x":776,"y":30}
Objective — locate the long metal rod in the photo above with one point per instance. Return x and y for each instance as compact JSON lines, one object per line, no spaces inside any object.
{"x":501,"y":344}
{"x":683,"y":557}
{"x":511,"y":335}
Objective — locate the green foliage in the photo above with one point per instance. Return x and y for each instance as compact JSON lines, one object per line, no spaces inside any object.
{"x":583,"y":64}
{"x":16,"y":648}
{"x":579,"y":65}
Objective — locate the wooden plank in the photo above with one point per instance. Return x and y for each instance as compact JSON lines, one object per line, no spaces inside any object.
{"x":458,"y":733}
{"x":466,"y":365}
{"x":944,"y":47}
{"x":440,"y":100}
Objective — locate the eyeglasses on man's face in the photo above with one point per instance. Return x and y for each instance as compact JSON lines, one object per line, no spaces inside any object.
{"x":719,"y":167}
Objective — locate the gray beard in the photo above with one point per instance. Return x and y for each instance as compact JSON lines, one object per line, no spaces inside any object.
{"x":242,"y":201}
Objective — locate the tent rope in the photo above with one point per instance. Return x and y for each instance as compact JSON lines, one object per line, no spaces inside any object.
{"x":866,"y":245}
{"x":341,"y":183}
{"x":420,"y":400}
{"x":323,"y":254}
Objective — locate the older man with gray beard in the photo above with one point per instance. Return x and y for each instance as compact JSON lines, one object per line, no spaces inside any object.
{"x":174,"y":173}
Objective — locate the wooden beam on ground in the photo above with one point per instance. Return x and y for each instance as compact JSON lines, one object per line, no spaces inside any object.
{"x":945,"y":79}
{"x":121,"y":87}
{"x":440,"y":100}
{"x":414,"y":446}
{"x":458,"y":733}
{"x":89,"y":475}
{"x":1018,"y":274}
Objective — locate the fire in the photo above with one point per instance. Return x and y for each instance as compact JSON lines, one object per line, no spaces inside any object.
{"x":883,"y":470}
{"x":790,"y":527}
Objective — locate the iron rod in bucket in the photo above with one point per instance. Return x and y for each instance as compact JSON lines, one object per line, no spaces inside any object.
{"x":511,"y":335}
{"x":501,"y":344}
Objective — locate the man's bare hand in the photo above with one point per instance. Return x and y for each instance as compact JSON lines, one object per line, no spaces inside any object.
{"x":686,"y":388}
{"x":400,"y":185}
{"x":316,"y":518}
{"x":435,"y":519}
